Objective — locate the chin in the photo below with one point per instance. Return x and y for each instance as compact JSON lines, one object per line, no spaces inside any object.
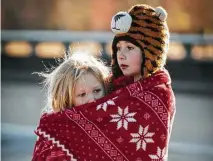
{"x":127,"y":74}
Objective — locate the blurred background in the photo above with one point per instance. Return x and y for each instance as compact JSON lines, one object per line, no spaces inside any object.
{"x":37,"y":32}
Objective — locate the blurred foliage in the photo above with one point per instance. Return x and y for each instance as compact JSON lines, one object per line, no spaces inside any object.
{"x":183,"y":16}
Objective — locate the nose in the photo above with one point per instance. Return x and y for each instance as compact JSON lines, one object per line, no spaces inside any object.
{"x":121,"y":54}
{"x":121,"y":57}
{"x":91,"y":98}
{"x":90,"y":101}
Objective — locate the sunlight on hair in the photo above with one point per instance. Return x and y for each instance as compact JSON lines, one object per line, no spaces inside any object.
{"x":89,"y":47}
{"x":81,"y":55}
{"x":78,"y":54}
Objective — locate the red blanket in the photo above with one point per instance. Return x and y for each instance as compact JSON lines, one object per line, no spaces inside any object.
{"x":131,"y":124}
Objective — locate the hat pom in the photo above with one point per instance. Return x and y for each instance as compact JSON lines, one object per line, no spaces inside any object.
{"x":161,"y":13}
{"x":121,"y":22}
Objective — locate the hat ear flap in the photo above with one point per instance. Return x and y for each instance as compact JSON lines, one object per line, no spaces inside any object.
{"x":161,"y":13}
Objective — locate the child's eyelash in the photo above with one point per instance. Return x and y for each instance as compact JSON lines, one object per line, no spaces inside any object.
{"x":130,"y":47}
{"x":81,"y":95}
{"x":97,"y":90}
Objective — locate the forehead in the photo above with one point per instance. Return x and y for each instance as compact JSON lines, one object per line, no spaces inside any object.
{"x":87,"y":80}
{"x":122,"y":42}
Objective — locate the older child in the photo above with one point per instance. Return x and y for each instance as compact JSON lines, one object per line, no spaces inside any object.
{"x":139,"y":50}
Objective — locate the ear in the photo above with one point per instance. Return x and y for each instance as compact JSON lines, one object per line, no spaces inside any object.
{"x":161,"y":13}
{"x":121,"y":22}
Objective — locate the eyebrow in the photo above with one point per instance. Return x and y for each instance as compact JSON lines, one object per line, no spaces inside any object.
{"x":127,"y":43}
{"x":82,"y":90}
{"x":79,"y":90}
{"x":96,"y":86}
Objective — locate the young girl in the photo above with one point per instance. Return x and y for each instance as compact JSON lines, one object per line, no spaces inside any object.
{"x":80,"y":79}
{"x":139,"y":50}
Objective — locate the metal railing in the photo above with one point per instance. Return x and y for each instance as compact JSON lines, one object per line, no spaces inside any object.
{"x":102,"y":37}
{"x":185,"y":42}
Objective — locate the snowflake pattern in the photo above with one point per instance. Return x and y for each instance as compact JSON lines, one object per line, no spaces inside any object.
{"x":160,"y":156}
{"x":120,"y":140}
{"x":163,"y":137}
{"x":138,"y":159}
{"x":105,"y":104}
{"x":142,"y":137}
{"x":99,"y":119}
{"x":123,"y":118}
{"x":146,"y":116}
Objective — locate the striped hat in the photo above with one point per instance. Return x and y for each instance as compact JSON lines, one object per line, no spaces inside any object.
{"x":145,"y":27}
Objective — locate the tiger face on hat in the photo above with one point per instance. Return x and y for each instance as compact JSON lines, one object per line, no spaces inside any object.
{"x":145,"y":27}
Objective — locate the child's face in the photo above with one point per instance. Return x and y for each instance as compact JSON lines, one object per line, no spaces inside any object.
{"x":129,"y":58}
{"x":87,"y":89}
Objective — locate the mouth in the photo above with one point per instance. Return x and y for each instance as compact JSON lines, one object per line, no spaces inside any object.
{"x":124,"y":66}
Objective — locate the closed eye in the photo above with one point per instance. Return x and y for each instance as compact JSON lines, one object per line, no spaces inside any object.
{"x":81,"y":94}
{"x":97,"y":91}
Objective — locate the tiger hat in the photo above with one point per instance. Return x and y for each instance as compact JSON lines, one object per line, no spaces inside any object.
{"x":145,"y":27}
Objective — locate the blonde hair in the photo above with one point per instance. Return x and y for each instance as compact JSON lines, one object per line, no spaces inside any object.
{"x":61,"y":81}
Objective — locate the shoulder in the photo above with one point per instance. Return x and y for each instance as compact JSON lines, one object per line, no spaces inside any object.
{"x":159,"y":86}
{"x":51,"y":116}
{"x":122,"y":82}
{"x":49,"y":120}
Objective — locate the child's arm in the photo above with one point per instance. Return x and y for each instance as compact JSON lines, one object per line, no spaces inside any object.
{"x":44,"y":150}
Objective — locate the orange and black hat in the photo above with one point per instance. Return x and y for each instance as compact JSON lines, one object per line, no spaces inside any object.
{"x":145,"y":27}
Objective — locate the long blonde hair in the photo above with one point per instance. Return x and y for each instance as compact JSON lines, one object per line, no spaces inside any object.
{"x":61,"y":81}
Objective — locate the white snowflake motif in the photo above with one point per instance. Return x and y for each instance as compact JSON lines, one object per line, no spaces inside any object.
{"x":138,"y":159}
{"x":163,"y":137}
{"x":99,"y":119}
{"x":146,"y":116}
{"x":160,"y":156}
{"x":105,"y":104}
{"x":123,"y":118}
{"x":120,"y":140}
{"x":142,"y":137}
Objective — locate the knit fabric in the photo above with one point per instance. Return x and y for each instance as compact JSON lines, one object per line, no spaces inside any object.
{"x":132,"y":123}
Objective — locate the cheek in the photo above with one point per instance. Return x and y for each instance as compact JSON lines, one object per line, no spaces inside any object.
{"x":101,"y":94}
{"x":75,"y":101}
{"x":117,"y":57}
{"x":136,"y":59}
{"x":78,"y":101}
